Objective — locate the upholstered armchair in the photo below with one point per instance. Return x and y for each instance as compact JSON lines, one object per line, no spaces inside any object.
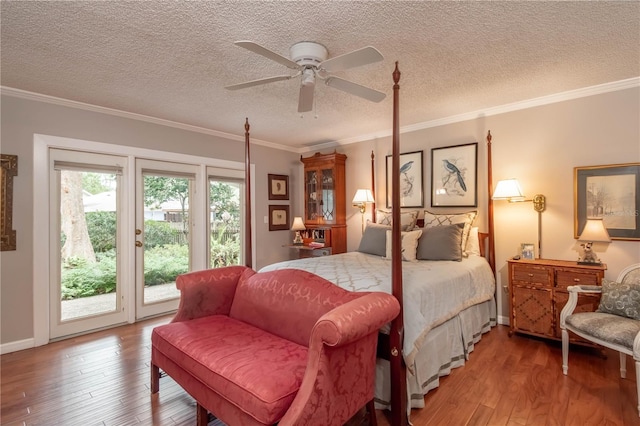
{"x":615,"y":324}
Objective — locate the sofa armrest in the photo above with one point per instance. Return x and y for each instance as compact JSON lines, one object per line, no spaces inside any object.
{"x":208,"y":292}
{"x":340,"y":374}
{"x":574,"y":290}
{"x":355,"y":319}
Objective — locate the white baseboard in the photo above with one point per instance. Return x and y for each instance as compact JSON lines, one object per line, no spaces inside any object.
{"x":503,"y":320}
{"x":18,"y":345}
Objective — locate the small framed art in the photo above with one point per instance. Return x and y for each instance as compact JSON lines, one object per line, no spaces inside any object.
{"x":454,"y":175}
{"x":278,"y":218}
{"x":278,"y":187}
{"x":527,"y":251}
{"x":411,"y":178}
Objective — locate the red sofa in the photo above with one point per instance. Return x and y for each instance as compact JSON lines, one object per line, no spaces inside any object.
{"x":284,"y":347}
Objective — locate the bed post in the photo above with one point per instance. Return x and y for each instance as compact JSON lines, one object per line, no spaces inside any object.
{"x":247,"y":183}
{"x":373,"y":188}
{"x":396,"y":337}
{"x":492,"y":244}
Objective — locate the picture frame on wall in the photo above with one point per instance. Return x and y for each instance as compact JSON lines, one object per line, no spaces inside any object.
{"x":411,"y":179}
{"x":454,"y":176}
{"x":278,"y":218}
{"x":278,"y":187}
{"x":609,"y":192}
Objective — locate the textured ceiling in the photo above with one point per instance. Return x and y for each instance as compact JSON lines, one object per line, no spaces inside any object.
{"x":171,"y":60}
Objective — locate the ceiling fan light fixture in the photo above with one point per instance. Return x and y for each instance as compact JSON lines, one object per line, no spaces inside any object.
{"x":308,"y":77}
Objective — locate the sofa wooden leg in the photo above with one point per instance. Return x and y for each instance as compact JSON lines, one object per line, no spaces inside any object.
{"x":371,"y":409}
{"x":202,"y":416}
{"x":155,"y":378}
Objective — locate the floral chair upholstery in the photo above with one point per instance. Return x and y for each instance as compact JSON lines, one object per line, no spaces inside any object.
{"x":615,"y":324}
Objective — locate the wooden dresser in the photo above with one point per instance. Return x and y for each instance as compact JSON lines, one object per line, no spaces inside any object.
{"x":538,"y":292}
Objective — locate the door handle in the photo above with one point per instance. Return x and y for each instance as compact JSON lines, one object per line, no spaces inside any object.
{"x":138,"y":231}
{"x":138,"y":243}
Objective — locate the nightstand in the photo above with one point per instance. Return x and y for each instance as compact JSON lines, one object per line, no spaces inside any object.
{"x":303,"y":251}
{"x":538,"y":292}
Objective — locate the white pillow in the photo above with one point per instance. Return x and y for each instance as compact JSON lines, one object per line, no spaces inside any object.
{"x":434,"y":219}
{"x":408,"y":219}
{"x":409,"y":243}
{"x":473,"y":243}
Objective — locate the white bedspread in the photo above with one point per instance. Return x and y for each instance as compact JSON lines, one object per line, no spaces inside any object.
{"x":434,"y":291}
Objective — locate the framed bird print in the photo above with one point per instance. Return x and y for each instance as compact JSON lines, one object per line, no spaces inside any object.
{"x":454,"y":175}
{"x":411,"y":178}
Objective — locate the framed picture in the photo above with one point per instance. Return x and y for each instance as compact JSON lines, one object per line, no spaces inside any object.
{"x":454,"y":176}
{"x":527,"y":251}
{"x":8,"y":169}
{"x":278,"y":187}
{"x":411,"y":178}
{"x":610,"y":193}
{"x":278,"y":218}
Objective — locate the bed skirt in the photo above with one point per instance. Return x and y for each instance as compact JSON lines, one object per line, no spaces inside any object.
{"x":446,"y":347}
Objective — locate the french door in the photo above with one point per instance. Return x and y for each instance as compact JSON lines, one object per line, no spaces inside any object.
{"x":168,"y":232}
{"x":88,"y":260}
{"x":123,"y":230}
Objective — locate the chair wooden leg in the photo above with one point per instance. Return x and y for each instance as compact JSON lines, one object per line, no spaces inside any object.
{"x":623,"y":365}
{"x":155,"y":378}
{"x":565,"y":351}
{"x":638,"y":384}
{"x":371,"y":409}
{"x":202,"y":416}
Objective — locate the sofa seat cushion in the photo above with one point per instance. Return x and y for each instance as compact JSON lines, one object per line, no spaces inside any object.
{"x":606,"y":327}
{"x":252,"y":369}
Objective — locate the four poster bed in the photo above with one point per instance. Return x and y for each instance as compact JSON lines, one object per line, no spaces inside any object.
{"x":445,"y":306}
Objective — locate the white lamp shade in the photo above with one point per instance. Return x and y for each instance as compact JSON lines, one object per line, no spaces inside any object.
{"x":363,"y":196}
{"x":508,"y":189}
{"x":298,"y":224}
{"x":594,"y":231}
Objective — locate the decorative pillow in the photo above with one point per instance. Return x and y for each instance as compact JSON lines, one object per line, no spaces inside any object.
{"x":409,"y":242}
{"x":374,"y":239}
{"x":473,"y":243}
{"x":620,"y":299}
{"x":434,"y":219}
{"x":407,"y":219}
{"x":441,"y":243}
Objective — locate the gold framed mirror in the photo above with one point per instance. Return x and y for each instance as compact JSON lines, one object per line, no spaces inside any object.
{"x":8,"y":170}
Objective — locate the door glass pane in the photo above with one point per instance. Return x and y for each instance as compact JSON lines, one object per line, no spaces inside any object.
{"x":88,"y":235}
{"x":166,"y":235}
{"x":312,"y":196}
{"x":224,"y":219}
{"x":328,"y":203}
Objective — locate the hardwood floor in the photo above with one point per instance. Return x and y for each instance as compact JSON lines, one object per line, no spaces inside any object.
{"x":103,"y":379}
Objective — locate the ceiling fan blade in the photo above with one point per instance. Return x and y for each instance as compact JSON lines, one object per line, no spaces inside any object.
{"x":305,"y":101}
{"x":258,"y":82}
{"x":355,"y":89}
{"x":256,"y":48}
{"x":364,"y":56}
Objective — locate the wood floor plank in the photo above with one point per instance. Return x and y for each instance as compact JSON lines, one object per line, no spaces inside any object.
{"x":103,"y":379}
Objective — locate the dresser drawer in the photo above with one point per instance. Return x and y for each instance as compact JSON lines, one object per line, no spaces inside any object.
{"x":565,"y":278}
{"x":532,"y":274}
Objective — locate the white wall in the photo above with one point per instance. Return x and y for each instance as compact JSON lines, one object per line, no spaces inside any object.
{"x":539,"y":146}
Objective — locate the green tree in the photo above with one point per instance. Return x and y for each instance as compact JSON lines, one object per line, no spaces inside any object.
{"x":225,"y":197}
{"x":160,"y":189}
{"x":96,"y":183}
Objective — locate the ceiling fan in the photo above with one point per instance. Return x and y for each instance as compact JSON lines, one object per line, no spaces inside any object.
{"x":309,"y":60}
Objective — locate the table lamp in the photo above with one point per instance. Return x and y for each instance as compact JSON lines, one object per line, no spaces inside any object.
{"x":594,"y":231}
{"x":298,"y":225}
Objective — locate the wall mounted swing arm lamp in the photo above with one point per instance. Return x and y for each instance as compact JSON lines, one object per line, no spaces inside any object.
{"x":360,"y":200}
{"x":510,"y":190}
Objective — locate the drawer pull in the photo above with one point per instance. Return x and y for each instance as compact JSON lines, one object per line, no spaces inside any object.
{"x":576,"y":280}
{"x":531,"y":275}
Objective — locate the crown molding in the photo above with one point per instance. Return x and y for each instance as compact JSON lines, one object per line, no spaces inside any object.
{"x":32,"y":96}
{"x":501,"y":109}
